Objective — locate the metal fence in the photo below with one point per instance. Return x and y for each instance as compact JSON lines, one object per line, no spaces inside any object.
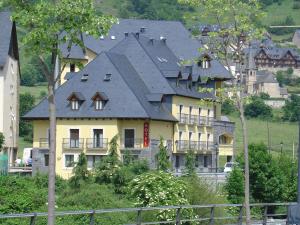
{"x":262,"y":213}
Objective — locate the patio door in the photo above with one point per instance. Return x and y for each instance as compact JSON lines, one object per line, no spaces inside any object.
{"x":98,"y":138}
{"x":74,"y":138}
{"x":129,"y":138}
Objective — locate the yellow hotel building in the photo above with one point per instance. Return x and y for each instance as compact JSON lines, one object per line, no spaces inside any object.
{"x":134,"y":84}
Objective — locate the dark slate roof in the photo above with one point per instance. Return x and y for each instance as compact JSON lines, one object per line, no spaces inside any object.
{"x":5,"y":36}
{"x":264,"y":76}
{"x":178,"y":37}
{"x":124,"y":101}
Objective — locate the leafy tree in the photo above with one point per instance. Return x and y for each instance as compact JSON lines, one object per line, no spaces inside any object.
{"x":228,"y":107}
{"x":238,"y":21}
{"x":158,"y":188}
{"x":49,"y":25}
{"x":190,"y":160}
{"x":266,"y":179}
{"x":292,"y":108}
{"x":258,"y":109}
{"x":2,"y":140}
{"x":27,"y":102}
{"x":113,"y":149}
{"x":264,"y":96}
{"x":162,"y":157}
{"x":80,"y":171}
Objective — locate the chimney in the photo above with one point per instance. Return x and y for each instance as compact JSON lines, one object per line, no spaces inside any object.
{"x":126,"y":34}
{"x":143,"y":29}
{"x":137,"y":35}
{"x":151,"y":41}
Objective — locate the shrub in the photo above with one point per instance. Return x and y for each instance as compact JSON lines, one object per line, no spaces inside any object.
{"x":296,"y":5}
{"x":80,"y":172}
{"x":292,"y":108}
{"x":258,"y":109}
{"x":162,"y":158}
{"x":228,"y":107}
{"x":264,"y":96}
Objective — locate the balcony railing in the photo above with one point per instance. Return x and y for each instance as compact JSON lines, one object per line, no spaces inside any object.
{"x":132,"y":143}
{"x":195,"y":119}
{"x":183,"y":118}
{"x":96,"y":143}
{"x":184,"y":145}
{"x":44,"y":143}
{"x":69,"y":143}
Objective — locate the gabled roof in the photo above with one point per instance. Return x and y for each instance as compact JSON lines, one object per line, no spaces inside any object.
{"x":178,"y":37}
{"x":125,"y":90}
{"x":6,"y":40}
{"x":264,"y":76}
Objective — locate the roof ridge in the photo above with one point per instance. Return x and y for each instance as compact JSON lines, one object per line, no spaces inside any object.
{"x":107,"y":54}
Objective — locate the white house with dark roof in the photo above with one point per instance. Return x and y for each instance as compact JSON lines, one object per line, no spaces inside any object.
{"x":135,"y":85}
{"x":9,"y":85}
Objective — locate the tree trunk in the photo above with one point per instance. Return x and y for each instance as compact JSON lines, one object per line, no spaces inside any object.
{"x":246,"y":159}
{"x":52,"y":152}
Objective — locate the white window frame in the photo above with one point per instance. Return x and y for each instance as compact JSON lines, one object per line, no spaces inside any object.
{"x":99,"y":104}
{"x":75,"y":105}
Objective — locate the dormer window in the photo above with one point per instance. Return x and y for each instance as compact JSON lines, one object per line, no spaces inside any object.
{"x":72,"y":67}
{"x":76,"y":99}
{"x":99,"y":104}
{"x":100,"y":100}
{"x":204,"y":63}
{"x":75,"y":104}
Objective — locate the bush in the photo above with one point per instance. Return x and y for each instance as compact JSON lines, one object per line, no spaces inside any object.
{"x":26,"y":104}
{"x":258,"y":109}
{"x":296,"y":5}
{"x":291,"y":110}
{"x":228,"y":107}
{"x":264,"y":96}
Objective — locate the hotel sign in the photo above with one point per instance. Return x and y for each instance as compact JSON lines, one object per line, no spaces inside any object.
{"x":146,"y":134}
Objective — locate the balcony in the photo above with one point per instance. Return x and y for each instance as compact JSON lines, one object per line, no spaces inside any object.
{"x":44,"y":143}
{"x":132,"y":143}
{"x":183,"y":118}
{"x":96,"y":144}
{"x":69,"y":143}
{"x":205,"y":121}
{"x":184,"y":145}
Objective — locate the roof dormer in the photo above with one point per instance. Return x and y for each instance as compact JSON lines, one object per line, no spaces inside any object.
{"x":99,"y":100}
{"x":204,"y":61}
{"x":76,"y":99}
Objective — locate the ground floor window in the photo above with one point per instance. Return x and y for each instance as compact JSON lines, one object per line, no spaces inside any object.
{"x":92,"y":160}
{"x":69,"y":161}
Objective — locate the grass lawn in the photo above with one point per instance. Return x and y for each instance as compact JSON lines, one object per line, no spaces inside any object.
{"x":35,"y":91}
{"x":258,"y":132}
{"x":293,"y":89}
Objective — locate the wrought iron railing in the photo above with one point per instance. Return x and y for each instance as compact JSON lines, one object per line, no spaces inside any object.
{"x":96,"y":143}
{"x":265,"y":214}
{"x":73,"y":143}
{"x":184,"y":145}
{"x":132,"y":143}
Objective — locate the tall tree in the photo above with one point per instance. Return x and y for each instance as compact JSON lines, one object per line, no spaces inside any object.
{"x":50,"y":24}
{"x":162,"y":158}
{"x":237,"y":20}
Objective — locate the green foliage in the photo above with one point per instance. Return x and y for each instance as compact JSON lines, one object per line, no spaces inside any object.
{"x":292,"y":108}
{"x":190,"y":160}
{"x":266,"y":179}
{"x":162,"y":157}
{"x":80,"y":172}
{"x":2,"y":140}
{"x":27,"y":102}
{"x":153,"y":9}
{"x":234,"y":186}
{"x":32,"y":73}
{"x":228,"y":107}
{"x":113,"y":149}
{"x":258,"y":109}
{"x":158,"y":188}
{"x":287,"y":22}
{"x":106,"y":169}
{"x":21,"y":195}
{"x":264,"y":96}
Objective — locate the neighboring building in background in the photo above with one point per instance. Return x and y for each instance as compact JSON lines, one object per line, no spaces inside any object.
{"x":9,"y":85}
{"x":261,"y":81}
{"x":296,"y":38}
{"x":134,"y":85}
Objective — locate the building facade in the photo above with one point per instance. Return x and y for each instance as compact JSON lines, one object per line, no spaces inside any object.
{"x":9,"y":85}
{"x":135,"y":85}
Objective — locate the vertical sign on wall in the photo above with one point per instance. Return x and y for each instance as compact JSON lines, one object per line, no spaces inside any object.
{"x":146,"y":134}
